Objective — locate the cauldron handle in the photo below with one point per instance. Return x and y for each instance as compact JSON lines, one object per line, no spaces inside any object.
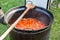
{"x":2,"y":16}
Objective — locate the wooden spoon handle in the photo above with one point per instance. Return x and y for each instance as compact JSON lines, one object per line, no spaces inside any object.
{"x":29,"y":6}
{"x":13,"y":25}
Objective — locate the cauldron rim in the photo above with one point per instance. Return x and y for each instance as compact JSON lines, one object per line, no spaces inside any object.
{"x":41,"y":9}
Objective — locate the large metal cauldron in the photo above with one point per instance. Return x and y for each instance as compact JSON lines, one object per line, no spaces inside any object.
{"x":38,"y":13}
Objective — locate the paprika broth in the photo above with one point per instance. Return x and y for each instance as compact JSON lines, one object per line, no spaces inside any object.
{"x":30,"y":24}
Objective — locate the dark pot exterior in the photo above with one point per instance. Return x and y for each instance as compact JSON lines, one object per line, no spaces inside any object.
{"x":44,"y":35}
{"x":33,"y":35}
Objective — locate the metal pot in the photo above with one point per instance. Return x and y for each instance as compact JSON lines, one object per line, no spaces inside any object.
{"x":39,"y":13}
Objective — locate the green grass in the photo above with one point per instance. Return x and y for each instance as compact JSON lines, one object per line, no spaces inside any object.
{"x":55,"y":29}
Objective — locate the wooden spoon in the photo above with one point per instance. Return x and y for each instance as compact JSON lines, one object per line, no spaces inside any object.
{"x":28,"y":6}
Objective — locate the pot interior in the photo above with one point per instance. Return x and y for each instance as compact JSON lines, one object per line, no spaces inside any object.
{"x":37,"y":13}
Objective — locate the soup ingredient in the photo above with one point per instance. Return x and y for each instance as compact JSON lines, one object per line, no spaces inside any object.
{"x":30,"y":24}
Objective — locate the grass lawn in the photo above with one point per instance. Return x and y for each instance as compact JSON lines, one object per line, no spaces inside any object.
{"x":55,"y":29}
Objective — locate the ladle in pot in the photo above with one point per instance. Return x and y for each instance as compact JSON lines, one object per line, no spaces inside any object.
{"x":28,"y":6}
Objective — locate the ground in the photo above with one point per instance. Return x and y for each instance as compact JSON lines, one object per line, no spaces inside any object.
{"x":55,"y":29}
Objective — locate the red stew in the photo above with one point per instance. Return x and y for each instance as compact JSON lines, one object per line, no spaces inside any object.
{"x":30,"y":24}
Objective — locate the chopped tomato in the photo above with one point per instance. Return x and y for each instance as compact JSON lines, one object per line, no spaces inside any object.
{"x":30,"y":24}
